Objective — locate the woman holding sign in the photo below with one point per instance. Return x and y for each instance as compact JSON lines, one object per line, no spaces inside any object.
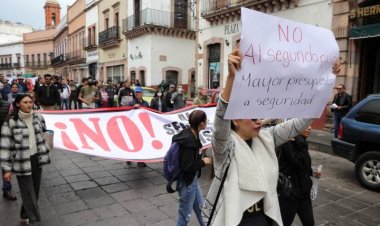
{"x":243,"y":191}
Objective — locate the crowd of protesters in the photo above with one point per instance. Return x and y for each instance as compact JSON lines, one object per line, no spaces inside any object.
{"x":58,"y":93}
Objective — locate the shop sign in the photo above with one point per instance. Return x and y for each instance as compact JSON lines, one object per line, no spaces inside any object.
{"x":365,"y":11}
{"x":231,"y":28}
{"x":92,"y":53}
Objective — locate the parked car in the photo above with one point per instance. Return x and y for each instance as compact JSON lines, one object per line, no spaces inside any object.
{"x":359,"y":141}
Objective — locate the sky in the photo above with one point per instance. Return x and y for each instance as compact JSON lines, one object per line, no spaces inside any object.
{"x":29,"y":12}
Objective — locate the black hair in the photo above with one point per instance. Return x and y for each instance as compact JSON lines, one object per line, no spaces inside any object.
{"x":15,"y":109}
{"x":196,"y":118}
{"x":47,"y":75}
{"x":84,"y":79}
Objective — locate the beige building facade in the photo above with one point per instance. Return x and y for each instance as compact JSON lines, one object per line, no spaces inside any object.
{"x":356,"y":26}
{"x":112,"y":44}
{"x":76,"y":23}
{"x":38,"y":51}
{"x":60,"y":60}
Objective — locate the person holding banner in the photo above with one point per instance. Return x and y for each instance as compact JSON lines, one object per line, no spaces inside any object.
{"x":23,"y":151}
{"x":191,"y":161}
{"x":243,"y":191}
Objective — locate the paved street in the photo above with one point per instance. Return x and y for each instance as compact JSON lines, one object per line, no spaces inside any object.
{"x":85,"y":190}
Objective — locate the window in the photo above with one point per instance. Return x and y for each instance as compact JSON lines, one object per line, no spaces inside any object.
{"x":10,"y":61}
{"x":214,"y":66}
{"x":369,"y":113}
{"x":115,"y":73}
{"x":89,"y":38}
{"x":94,"y":35}
{"x":116,"y":19}
{"x":38,"y":60}
{"x":142,"y":78}
{"x":32,"y":59}
{"x":18,"y":61}
{"x":106,"y":24}
{"x":133,"y":77}
{"x":53,"y":19}
{"x":45,"y":59}
{"x":180,"y":13}
{"x":137,"y":13}
{"x":27,"y":60}
{"x":192,"y":85}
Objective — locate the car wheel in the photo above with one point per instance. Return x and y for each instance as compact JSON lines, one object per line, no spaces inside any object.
{"x":367,"y":169}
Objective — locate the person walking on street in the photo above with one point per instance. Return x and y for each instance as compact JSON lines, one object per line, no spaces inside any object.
{"x":138,"y":101}
{"x":48,"y":95}
{"x":295,"y":163}
{"x":125,"y":94}
{"x":88,"y":95}
{"x":178,"y":99}
{"x":192,"y":162}
{"x":14,"y":92}
{"x":158,"y":102}
{"x":23,"y":152}
{"x":343,"y":103}
{"x":73,"y":95}
{"x":110,"y":90}
{"x":202,"y":97}
{"x":84,"y":83}
{"x":6,"y":89}
{"x":168,"y":97}
{"x":7,"y":186}
{"x":65,"y":94}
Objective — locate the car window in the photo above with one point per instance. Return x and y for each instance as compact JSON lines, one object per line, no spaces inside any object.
{"x":369,"y":113}
{"x":148,"y":92}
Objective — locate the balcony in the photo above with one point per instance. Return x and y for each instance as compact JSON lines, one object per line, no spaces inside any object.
{"x":76,"y":57}
{"x":59,"y":59}
{"x":16,"y":65}
{"x":40,"y":65}
{"x":5,"y":66}
{"x":89,"y":44}
{"x":152,"y":21}
{"x":216,"y":11}
{"x":109,"y":38}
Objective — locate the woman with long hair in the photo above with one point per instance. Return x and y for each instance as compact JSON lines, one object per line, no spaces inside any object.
{"x":23,"y":151}
{"x":245,"y":160}
{"x":14,"y":92}
{"x":190,"y":194}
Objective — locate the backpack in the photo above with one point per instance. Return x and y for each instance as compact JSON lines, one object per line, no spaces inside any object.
{"x":172,"y":166}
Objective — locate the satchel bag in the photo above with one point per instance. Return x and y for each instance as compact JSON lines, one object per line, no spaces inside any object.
{"x":284,"y":183}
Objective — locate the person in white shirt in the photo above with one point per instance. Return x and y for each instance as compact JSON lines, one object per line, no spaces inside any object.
{"x":65,"y":94}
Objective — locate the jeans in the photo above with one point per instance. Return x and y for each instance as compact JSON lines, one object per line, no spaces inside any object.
{"x":65,"y":104}
{"x":337,"y":119}
{"x":7,"y":186}
{"x":190,"y":197}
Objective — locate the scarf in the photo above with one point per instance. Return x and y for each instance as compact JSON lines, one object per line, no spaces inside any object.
{"x":250,"y":175}
{"x":28,"y":119}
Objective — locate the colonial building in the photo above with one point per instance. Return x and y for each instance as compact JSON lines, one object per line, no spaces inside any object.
{"x":76,"y":23}
{"x":356,"y":25}
{"x":38,"y":45}
{"x":60,"y":59}
{"x":12,"y":47}
{"x":161,"y":41}
{"x":219,"y":29}
{"x":112,"y":44}
{"x":91,"y":38}
{"x":11,"y":59}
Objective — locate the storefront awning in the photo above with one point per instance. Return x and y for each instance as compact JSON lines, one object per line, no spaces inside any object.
{"x":368,"y":31}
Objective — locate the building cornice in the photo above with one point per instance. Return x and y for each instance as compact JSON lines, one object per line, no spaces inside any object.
{"x":226,"y":12}
{"x":159,"y":30}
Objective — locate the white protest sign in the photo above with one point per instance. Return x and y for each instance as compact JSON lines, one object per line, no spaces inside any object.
{"x":122,"y":133}
{"x":286,"y":69}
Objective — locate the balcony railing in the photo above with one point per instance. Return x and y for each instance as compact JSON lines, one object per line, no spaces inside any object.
{"x":89,"y":44}
{"x":59,"y":59}
{"x":215,"y":5}
{"x":110,"y":35}
{"x":40,"y":65}
{"x":157,"y":18}
{"x":16,"y":65}
{"x":5,"y":66}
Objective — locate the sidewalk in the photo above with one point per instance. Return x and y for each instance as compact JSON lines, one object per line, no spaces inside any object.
{"x":320,"y":141}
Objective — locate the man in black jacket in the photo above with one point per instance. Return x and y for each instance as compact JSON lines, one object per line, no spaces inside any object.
{"x":341,"y":105}
{"x":7,"y":186}
{"x":48,"y":95}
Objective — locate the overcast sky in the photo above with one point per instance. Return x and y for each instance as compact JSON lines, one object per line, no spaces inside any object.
{"x":29,"y":12}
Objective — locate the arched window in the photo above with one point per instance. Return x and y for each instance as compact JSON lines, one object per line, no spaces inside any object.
{"x":53,"y":19}
{"x":172,"y":77}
